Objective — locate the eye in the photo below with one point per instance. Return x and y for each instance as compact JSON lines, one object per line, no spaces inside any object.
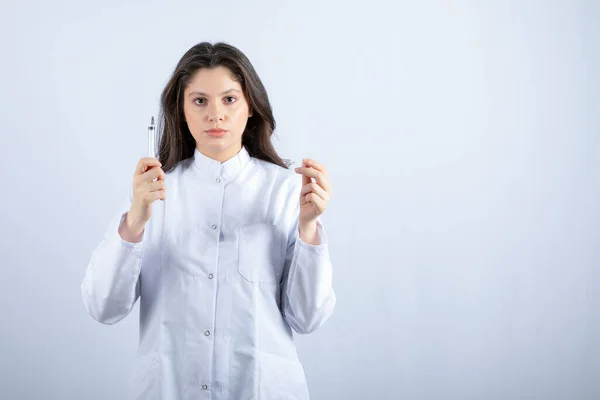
{"x":231,"y":97}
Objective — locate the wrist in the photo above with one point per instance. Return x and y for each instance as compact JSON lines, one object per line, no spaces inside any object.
{"x":308,"y":232}
{"x":131,"y":229}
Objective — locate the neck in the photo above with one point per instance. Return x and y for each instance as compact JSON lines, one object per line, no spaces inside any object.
{"x":222,"y":155}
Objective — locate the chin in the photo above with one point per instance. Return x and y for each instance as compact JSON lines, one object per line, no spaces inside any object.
{"x":216,"y":145}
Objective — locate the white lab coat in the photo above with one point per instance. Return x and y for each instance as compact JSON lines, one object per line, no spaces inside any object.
{"x":222,"y":278}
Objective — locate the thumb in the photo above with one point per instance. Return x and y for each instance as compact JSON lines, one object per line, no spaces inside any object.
{"x":305,"y":179}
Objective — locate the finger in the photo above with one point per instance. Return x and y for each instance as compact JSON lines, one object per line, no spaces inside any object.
{"x":157,"y":185}
{"x":156,"y":172}
{"x":314,"y":164}
{"x":314,"y":188}
{"x":305,"y":179}
{"x":145,"y":164}
{"x":318,"y":202}
{"x":152,"y":174}
{"x":320,"y":178}
{"x":156,"y":195}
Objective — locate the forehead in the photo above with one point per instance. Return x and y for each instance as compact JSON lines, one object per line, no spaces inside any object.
{"x":213,"y":80}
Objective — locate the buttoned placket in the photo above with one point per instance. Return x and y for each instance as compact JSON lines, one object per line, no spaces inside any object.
{"x":203,"y":338}
{"x":206,"y":350}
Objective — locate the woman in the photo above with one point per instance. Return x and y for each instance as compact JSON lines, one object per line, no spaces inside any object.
{"x":234,"y":256}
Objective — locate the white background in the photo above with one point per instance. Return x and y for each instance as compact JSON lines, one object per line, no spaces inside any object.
{"x":462,"y":141}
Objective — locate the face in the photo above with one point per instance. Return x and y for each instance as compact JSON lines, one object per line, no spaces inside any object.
{"x":214,"y":100}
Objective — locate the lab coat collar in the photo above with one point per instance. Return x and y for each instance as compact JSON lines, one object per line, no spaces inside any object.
{"x":227,"y":169}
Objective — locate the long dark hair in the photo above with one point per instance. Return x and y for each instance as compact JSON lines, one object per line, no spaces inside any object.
{"x":176,"y":143}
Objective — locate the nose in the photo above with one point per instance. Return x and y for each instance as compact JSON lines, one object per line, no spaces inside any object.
{"x":215,"y":113}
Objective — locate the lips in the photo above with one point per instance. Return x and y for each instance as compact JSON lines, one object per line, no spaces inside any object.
{"x":216,"y":132}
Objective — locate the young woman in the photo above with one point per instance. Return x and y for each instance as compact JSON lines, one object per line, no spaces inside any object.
{"x":234,"y":256}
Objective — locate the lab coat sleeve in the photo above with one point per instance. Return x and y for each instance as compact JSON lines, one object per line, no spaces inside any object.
{"x":308,"y":298}
{"x":111,"y":285}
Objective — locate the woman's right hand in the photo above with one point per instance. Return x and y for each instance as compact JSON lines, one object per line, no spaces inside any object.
{"x":145,"y":192}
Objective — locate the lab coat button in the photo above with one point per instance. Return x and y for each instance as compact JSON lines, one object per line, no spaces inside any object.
{"x":218,"y":180}
{"x":210,"y":276}
{"x":205,"y":387}
{"x":206,"y":333}
{"x":214,"y":227}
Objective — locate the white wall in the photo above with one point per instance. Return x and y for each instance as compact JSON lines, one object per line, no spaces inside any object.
{"x":462,"y":140}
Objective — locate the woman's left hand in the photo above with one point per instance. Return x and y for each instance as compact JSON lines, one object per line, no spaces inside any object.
{"x":314,"y":196}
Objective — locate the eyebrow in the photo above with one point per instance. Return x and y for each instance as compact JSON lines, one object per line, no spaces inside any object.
{"x":204,"y":94}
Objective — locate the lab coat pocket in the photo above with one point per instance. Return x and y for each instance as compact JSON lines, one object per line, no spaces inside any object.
{"x":281,"y":378}
{"x":261,"y":253}
{"x":144,"y":378}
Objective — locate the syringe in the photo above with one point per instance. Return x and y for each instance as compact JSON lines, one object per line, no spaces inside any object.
{"x":151,"y":131}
